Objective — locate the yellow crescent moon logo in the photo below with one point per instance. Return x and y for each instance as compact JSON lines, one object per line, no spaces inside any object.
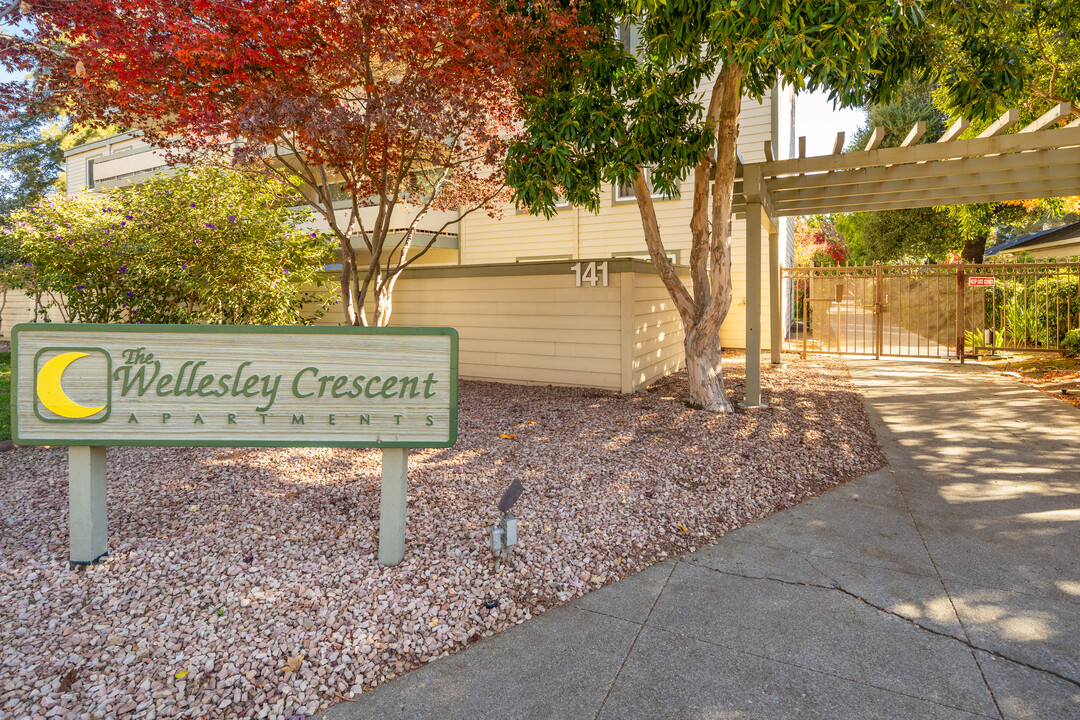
{"x":52,"y":394}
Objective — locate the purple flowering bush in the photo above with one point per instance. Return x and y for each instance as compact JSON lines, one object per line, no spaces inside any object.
{"x":203,"y":246}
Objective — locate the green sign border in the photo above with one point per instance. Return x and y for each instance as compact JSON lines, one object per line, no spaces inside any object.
{"x":63,"y":420}
{"x":77,"y":328}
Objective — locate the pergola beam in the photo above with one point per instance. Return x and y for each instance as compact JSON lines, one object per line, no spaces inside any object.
{"x":876,"y":139}
{"x":1049,"y":118}
{"x":927,"y":152}
{"x":915,"y":134}
{"x":1003,"y":123}
{"x":946,"y":174}
{"x":989,"y":192}
{"x":838,"y":144}
{"x":954,"y":130}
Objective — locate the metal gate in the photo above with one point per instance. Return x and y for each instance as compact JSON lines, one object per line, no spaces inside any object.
{"x":937,"y":311}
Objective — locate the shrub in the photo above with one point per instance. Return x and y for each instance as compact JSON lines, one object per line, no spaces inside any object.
{"x":203,"y":246}
{"x":1070,"y":346}
{"x":1035,"y":312}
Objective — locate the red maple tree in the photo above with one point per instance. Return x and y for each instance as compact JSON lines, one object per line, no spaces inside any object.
{"x":391,"y":109}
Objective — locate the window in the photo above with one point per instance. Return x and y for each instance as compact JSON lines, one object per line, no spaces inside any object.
{"x":625,"y":192}
{"x":560,"y":204}
{"x":90,"y":171}
{"x":626,"y":38}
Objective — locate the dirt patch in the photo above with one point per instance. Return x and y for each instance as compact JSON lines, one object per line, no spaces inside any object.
{"x":244,"y":582}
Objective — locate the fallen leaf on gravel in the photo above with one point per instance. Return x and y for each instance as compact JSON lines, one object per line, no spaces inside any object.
{"x":682,"y":527}
{"x":68,"y":680}
{"x":181,"y":675}
{"x":506,"y":436}
{"x":293,"y":663}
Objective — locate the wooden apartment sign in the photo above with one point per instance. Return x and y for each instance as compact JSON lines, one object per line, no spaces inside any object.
{"x":99,"y":385}
{"x":91,"y":386}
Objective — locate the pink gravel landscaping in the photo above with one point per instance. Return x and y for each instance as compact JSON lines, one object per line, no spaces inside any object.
{"x":243,"y":582}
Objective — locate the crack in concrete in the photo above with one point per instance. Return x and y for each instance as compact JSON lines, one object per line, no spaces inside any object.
{"x":817,"y":671}
{"x":952,"y":604}
{"x":963,"y":641}
{"x":629,"y":652}
{"x":744,"y":651}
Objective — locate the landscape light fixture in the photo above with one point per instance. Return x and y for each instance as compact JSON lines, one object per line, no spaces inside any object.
{"x":504,"y":534}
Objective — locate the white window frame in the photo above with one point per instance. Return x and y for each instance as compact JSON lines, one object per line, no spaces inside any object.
{"x":88,"y":177}
{"x":625,"y":193}
{"x":559,"y":205}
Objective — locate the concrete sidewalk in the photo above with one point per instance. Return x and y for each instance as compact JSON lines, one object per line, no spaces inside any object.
{"x":945,"y":587}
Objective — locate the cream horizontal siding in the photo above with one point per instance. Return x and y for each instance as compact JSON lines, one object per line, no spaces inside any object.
{"x":75,"y":170}
{"x":513,"y":235}
{"x":657,"y":342}
{"x":616,"y":229}
{"x":18,"y":307}
{"x":536,"y":328}
{"x":107,"y":167}
{"x":1063,"y":251}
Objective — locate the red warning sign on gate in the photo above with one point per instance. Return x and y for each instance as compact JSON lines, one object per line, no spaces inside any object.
{"x":981,"y":281}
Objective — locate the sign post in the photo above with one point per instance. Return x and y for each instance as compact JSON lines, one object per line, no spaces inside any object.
{"x":87,"y":519}
{"x":395,"y":471}
{"x":92,"y":386}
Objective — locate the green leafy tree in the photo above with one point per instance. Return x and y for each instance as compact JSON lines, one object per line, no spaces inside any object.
{"x":671,"y":104}
{"x":914,"y":236}
{"x":31,"y":160}
{"x":201,"y":246}
{"x":912,"y":104}
{"x":1041,"y":38}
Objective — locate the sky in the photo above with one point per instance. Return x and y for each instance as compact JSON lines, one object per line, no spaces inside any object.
{"x":816,"y":119}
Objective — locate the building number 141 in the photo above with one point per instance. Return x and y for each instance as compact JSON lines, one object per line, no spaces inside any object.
{"x":590,"y":272}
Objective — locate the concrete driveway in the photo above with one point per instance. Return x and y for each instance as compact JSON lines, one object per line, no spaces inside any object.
{"x":944,"y":586}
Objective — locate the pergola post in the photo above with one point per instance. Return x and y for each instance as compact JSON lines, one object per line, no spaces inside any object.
{"x":776,"y":317}
{"x":758,"y":212}
{"x":753,"y":304}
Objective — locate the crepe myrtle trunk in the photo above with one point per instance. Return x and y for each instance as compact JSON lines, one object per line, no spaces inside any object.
{"x":701,"y":341}
{"x":704,"y":307}
{"x":703,"y":370}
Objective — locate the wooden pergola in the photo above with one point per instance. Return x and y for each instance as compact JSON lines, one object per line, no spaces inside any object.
{"x":1041,"y":160}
